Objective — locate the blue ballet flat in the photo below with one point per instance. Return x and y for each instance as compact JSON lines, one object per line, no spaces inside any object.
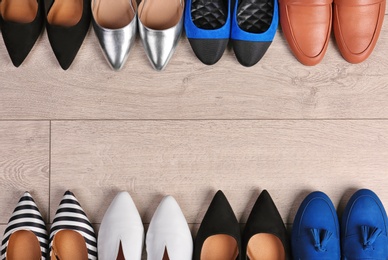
{"x":254,"y":25}
{"x":315,"y":233}
{"x":207,"y":25}
{"x":364,"y":228}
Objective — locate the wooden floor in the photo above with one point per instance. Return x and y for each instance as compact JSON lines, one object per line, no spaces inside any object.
{"x":191,"y":130}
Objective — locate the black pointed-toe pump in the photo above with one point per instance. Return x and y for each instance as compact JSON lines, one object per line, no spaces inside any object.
{"x":265,"y":236}
{"x":21,"y":23}
{"x":219,"y":234}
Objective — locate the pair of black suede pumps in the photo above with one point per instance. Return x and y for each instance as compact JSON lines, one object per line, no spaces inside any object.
{"x":264,"y":236}
{"x":22,"y":24}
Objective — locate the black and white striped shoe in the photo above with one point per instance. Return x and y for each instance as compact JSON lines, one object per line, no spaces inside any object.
{"x":25,"y":236}
{"x":72,"y":235}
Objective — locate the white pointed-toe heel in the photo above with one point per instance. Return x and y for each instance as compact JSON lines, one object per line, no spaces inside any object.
{"x":115,"y":25}
{"x":169,"y":236}
{"x":121,"y":232}
{"x":160,"y":28}
{"x":25,"y":236}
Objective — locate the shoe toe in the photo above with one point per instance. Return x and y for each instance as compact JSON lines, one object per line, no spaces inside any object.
{"x":169,"y":230}
{"x":20,"y":38}
{"x":364,"y":217}
{"x":121,"y":224}
{"x":249,"y":53}
{"x":307,"y":30}
{"x":160,"y":45}
{"x":116,"y":43}
{"x":357,"y":28}
{"x":65,"y":49}
{"x":315,"y":233}
{"x":209,"y":51}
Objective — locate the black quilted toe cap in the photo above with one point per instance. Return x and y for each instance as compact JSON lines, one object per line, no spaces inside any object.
{"x":249,"y":53}
{"x":208,"y":51}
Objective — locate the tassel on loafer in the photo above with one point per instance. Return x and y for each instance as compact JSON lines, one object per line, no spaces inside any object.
{"x":160,"y":28}
{"x":315,"y":232}
{"x":265,"y":236}
{"x":254,"y":25}
{"x":219,"y":235}
{"x":25,"y":236}
{"x":115,"y":25}
{"x":207,"y":26}
{"x":67,"y":23}
{"x":21,"y":24}
{"x":364,"y":227}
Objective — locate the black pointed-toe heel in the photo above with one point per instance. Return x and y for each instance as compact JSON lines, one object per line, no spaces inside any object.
{"x":21,"y":24}
{"x":265,"y":236}
{"x":67,"y":24}
{"x":219,"y":234}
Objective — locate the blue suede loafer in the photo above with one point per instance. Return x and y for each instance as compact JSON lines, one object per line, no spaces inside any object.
{"x":315,"y":233}
{"x":364,"y":228}
{"x":254,"y":25}
{"x":207,"y":25}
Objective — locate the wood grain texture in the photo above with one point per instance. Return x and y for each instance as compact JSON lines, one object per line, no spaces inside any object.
{"x":24,"y":165}
{"x":192,"y":159}
{"x":278,"y":87}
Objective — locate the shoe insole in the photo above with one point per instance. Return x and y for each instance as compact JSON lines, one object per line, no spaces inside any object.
{"x":23,"y":245}
{"x":19,"y":11}
{"x":219,"y":247}
{"x":209,"y":14}
{"x":255,"y":16}
{"x":113,"y":14}
{"x":69,"y":245}
{"x":65,"y":12}
{"x":265,"y":246}
{"x":165,"y":255}
{"x":120,"y":255}
{"x":160,"y":14}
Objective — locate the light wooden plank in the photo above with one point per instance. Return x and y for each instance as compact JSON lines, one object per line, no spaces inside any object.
{"x":24,"y":165}
{"x":192,"y":159}
{"x":279,"y":87}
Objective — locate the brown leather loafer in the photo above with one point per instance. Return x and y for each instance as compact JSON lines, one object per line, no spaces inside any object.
{"x":306,"y":24}
{"x":357,"y":25}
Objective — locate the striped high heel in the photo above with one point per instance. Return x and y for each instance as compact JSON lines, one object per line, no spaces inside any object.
{"x":25,"y":236}
{"x":72,"y":235}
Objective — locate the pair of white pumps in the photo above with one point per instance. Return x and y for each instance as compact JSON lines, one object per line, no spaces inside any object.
{"x":121,"y":234}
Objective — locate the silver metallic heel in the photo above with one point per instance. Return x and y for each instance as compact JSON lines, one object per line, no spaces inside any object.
{"x":160,"y":34}
{"x":115,"y":25}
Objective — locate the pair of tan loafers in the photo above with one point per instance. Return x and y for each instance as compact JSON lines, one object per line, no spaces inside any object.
{"x":307,"y":25}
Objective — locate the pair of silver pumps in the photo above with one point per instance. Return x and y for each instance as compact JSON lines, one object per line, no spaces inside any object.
{"x":160,"y":25}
